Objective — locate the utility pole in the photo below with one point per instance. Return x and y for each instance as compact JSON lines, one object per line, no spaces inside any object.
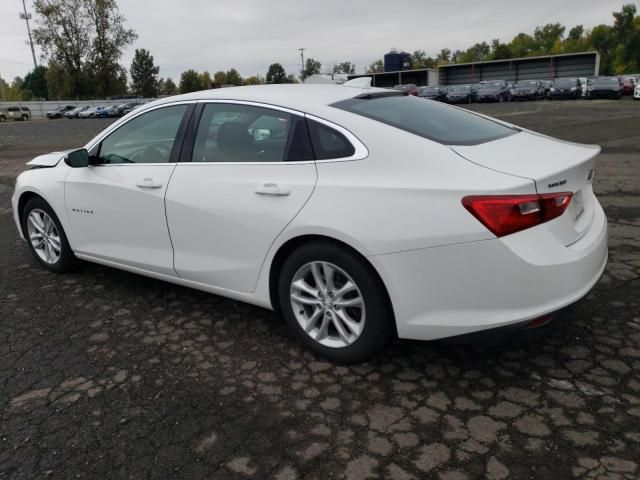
{"x":26,"y":17}
{"x":301,"y":60}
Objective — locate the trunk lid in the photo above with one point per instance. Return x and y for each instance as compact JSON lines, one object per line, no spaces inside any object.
{"x":554,"y":165}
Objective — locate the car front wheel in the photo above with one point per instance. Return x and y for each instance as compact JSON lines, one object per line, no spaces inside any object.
{"x":46,"y":238}
{"x":334,"y":302}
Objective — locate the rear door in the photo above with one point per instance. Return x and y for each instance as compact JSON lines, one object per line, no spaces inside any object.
{"x":246,"y":172}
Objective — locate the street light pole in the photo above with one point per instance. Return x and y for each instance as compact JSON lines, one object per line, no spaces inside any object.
{"x":301,"y":60}
{"x":26,"y":17}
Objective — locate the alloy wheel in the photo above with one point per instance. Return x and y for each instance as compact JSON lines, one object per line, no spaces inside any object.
{"x":44,"y":236}
{"x":327,"y":304}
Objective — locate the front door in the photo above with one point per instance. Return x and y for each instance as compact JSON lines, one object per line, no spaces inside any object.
{"x":116,"y":207}
{"x":250,"y":172}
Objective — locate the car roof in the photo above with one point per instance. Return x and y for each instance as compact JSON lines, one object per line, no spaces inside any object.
{"x":301,"y":97}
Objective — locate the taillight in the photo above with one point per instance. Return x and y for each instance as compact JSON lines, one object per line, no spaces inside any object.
{"x":506,"y":214}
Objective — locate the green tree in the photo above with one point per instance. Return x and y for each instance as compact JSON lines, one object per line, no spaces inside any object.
{"x":345,"y":67}
{"x":233,"y":77}
{"x":311,"y":67}
{"x":476,"y":53}
{"x":253,"y":80}
{"x":376,"y":67}
{"x":144,"y":74}
{"x":547,"y":36}
{"x":522,"y":45}
{"x":83,"y":41}
{"x":190,"y":81}
{"x":205,"y":80}
{"x":444,"y":56}
{"x":419,"y":59}
{"x":36,"y":81}
{"x":220,"y":77}
{"x":499,"y":50}
{"x":276,"y":74}
{"x":169,"y":88}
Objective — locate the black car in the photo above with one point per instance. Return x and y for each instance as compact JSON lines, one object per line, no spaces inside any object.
{"x":461,"y":94}
{"x":60,"y":111}
{"x":128,"y":107}
{"x":605,"y":87}
{"x":494,"y":91}
{"x":433,"y":93}
{"x":566,"y":88}
{"x":527,"y":90}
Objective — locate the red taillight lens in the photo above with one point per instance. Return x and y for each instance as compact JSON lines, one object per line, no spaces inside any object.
{"x":506,"y":214}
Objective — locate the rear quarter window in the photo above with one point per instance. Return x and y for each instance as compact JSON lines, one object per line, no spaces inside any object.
{"x":428,"y":119}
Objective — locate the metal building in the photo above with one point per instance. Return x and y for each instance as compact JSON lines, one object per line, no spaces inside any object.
{"x":420,"y":77}
{"x":585,"y":64}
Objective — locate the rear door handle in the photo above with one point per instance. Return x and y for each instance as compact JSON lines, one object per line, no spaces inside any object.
{"x":273,"y":189}
{"x":148,"y":183}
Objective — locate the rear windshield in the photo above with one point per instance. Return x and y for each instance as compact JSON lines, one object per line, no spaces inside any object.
{"x":432,"y":120}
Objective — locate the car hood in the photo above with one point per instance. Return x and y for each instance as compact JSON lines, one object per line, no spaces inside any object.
{"x":46,"y":160}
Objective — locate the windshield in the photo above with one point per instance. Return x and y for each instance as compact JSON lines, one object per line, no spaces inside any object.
{"x":491,"y":85}
{"x":566,"y":82}
{"x":608,"y":82}
{"x":526,"y":84}
{"x":432,"y":120}
{"x":461,"y":88}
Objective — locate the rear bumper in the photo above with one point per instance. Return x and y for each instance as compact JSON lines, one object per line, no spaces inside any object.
{"x":458,"y":289}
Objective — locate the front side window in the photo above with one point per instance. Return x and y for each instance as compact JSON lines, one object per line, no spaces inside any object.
{"x":148,"y":138}
{"x":432,"y":120}
{"x":242,"y":133}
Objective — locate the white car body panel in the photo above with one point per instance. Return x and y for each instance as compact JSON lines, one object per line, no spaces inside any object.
{"x":46,"y":160}
{"x":223,"y":241}
{"x":113,"y":218}
{"x":398,"y":204}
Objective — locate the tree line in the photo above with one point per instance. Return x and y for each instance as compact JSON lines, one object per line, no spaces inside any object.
{"x":617,"y":44}
{"x":83,"y":42}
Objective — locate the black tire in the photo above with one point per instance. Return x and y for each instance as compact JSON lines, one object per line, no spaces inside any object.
{"x":378,"y":326}
{"x":67,"y":260}
{"x":2,"y":118}
{"x":25,"y":118}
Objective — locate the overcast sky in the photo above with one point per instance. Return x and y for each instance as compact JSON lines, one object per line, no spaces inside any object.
{"x":251,"y":34}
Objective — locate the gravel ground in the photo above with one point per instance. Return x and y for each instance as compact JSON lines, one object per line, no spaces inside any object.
{"x":106,"y":374}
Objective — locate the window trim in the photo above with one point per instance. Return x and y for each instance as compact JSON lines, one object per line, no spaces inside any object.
{"x":361,"y":151}
{"x":180,"y":134}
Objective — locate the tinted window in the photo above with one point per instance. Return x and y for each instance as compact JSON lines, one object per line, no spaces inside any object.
{"x":148,"y":138}
{"x":329,"y":143}
{"x":432,"y":120}
{"x":609,"y":82}
{"x":14,"y":109}
{"x":241,"y":133}
{"x":566,"y":82}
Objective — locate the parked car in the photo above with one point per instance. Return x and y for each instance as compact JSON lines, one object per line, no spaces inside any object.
{"x":527,"y":90}
{"x":433,"y":93}
{"x":92,"y":112}
{"x":636,"y":92}
{"x":461,"y":94}
{"x":547,"y":84}
{"x":14,"y":112}
{"x":60,"y":111}
{"x":628,"y":85}
{"x":605,"y":87}
{"x":566,"y":88}
{"x":104,"y":112}
{"x":116,"y":111}
{"x":584,"y":84}
{"x":493,"y":91}
{"x":409,"y":88}
{"x":130,"y":107}
{"x":445,"y":215}
{"x":76,"y":111}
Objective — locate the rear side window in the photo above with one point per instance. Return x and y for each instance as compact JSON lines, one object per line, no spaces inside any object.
{"x":432,"y":120}
{"x":328,"y":143}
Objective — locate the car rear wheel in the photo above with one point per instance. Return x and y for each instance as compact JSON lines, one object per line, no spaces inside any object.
{"x":25,"y":118}
{"x":334,"y":302}
{"x":45,"y":236}
{"x":2,"y":118}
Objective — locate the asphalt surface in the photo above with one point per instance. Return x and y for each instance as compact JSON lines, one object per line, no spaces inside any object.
{"x":106,"y":374}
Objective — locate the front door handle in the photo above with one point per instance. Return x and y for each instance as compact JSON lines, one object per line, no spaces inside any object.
{"x":148,"y":183}
{"x":273,"y":189}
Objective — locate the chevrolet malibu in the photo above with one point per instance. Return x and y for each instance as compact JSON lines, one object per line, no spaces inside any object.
{"x":358,"y":214}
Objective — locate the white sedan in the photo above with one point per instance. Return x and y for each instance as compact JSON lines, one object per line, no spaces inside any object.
{"x":356,"y":213}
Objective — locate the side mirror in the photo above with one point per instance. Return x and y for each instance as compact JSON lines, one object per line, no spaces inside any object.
{"x":77,"y":158}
